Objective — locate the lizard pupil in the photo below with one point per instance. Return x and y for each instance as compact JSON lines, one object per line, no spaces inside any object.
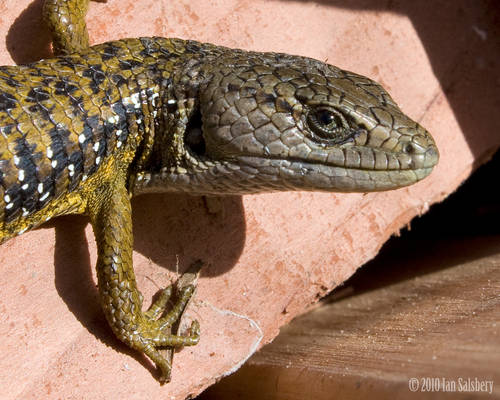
{"x":326,"y":117}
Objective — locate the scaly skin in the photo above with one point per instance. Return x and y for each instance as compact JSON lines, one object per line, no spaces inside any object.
{"x":82,"y":132}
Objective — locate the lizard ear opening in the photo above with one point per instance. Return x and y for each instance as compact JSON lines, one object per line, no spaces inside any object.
{"x":193,"y":138}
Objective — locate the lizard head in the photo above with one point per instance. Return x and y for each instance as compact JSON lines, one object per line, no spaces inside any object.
{"x":267,"y":121}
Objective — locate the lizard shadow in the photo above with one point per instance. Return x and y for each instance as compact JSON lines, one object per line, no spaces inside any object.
{"x":461,"y":42}
{"x":179,"y":230}
{"x":28,"y":39}
{"x":176,"y":230}
{"x":74,"y":283}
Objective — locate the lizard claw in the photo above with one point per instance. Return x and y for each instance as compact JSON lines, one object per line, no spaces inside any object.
{"x":149,"y":333}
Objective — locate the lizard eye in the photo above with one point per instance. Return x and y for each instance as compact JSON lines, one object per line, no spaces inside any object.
{"x":327,"y":125}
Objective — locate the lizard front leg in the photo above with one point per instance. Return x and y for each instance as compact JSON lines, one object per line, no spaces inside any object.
{"x":110,"y":211}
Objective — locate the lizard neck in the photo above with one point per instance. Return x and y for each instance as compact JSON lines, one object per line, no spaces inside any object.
{"x":160,"y":106}
{"x":170,"y":105}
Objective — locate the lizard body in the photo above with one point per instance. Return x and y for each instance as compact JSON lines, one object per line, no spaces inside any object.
{"x":84,"y":131}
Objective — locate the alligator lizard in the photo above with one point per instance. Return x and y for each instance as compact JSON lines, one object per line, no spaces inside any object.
{"x":84,"y":131}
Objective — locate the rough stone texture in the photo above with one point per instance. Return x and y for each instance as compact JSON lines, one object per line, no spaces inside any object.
{"x":268,"y":257}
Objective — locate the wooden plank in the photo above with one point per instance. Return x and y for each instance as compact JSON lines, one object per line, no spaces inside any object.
{"x":423,"y":309}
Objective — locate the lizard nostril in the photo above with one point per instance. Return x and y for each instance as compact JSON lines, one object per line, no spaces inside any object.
{"x":412,"y":148}
{"x":409,"y":148}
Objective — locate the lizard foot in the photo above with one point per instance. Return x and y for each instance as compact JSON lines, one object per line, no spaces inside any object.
{"x":148,"y":332}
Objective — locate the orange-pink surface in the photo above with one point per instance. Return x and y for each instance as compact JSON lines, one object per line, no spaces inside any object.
{"x":268,"y":257}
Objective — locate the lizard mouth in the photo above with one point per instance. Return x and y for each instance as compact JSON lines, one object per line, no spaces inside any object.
{"x":250,"y":174}
{"x":297,"y":174}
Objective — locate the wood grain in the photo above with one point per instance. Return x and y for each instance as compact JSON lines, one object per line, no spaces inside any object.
{"x":422,"y":309}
